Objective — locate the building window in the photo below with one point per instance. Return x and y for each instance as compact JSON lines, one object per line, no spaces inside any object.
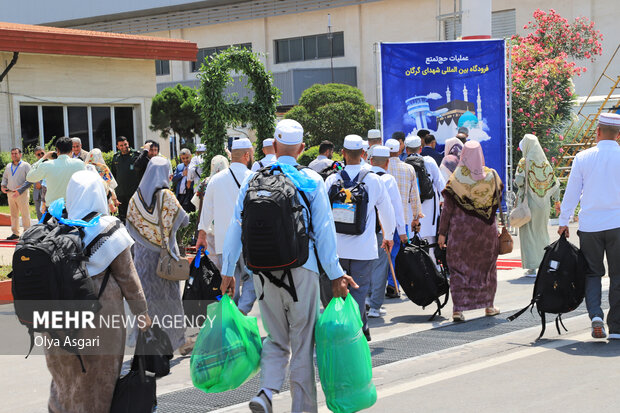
{"x":503,"y":24}
{"x":208,"y":51}
{"x":312,"y":47}
{"x":96,"y":126}
{"x":162,"y":67}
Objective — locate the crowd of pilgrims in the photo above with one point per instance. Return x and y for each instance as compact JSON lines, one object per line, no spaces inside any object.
{"x":453,"y":207}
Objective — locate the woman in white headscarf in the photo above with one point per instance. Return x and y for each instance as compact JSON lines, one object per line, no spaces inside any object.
{"x":109,"y":246}
{"x":536,"y":187}
{"x":152,"y":205}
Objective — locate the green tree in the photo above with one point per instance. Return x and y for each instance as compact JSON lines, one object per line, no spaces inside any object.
{"x":219,"y":111}
{"x":175,"y":110}
{"x":331,"y":112}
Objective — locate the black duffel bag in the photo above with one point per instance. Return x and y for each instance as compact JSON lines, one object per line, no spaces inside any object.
{"x":155,"y":349}
{"x":136,"y":391}
{"x":418,"y":276}
{"x":202,"y":288}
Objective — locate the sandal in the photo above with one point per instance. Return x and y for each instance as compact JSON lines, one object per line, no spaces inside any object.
{"x":458,"y":316}
{"x":491,"y":311}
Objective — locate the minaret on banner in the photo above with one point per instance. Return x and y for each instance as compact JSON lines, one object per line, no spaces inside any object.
{"x":465,"y":93}
{"x":479,"y":104}
{"x":448,"y":94}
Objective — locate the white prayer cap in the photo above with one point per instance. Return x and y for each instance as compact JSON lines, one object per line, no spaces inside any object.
{"x":353,"y":142}
{"x":610,"y":119}
{"x":289,"y":132}
{"x":374,"y":134}
{"x":380,"y":151}
{"x":201,"y":147}
{"x":242,"y":143}
{"x":392,"y":144}
{"x":413,"y":141}
{"x":267,"y":142}
{"x":365,"y":145}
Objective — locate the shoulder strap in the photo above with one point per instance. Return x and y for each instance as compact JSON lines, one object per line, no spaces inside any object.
{"x":380,"y":173}
{"x":260,"y":163}
{"x":362,"y":175}
{"x":106,"y":233}
{"x":235,"y":178}
{"x":344,"y":175}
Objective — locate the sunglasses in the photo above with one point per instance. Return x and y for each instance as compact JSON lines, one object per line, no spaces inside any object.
{"x":40,"y":153}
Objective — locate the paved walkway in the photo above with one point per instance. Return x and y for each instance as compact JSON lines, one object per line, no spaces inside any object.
{"x":486,"y":365}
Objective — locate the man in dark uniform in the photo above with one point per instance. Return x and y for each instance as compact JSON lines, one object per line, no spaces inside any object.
{"x":125,"y":174}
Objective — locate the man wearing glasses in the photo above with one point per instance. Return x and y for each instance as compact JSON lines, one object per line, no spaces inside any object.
{"x":38,"y":193}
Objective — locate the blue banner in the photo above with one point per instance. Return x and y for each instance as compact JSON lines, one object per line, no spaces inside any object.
{"x":441,"y":86}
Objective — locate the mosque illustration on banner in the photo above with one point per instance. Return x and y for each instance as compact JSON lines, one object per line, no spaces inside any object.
{"x":448,"y":117}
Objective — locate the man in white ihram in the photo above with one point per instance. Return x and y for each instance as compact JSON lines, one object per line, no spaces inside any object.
{"x":270,"y":156}
{"x":594,"y":182}
{"x":217,"y":208}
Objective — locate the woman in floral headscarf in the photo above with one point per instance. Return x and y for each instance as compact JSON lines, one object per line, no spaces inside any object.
{"x":95,"y":158}
{"x":537,"y":188}
{"x":468,"y":228}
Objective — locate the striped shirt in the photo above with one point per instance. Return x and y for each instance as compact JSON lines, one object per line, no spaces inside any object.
{"x":407,"y":186}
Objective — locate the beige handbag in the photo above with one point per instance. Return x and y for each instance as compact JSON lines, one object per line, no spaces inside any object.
{"x":167,"y":267}
{"x":521,"y":214}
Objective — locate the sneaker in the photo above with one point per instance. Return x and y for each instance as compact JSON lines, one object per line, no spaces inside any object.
{"x":598,"y":328}
{"x":12,"y":237}
{"x":374,"y":313}
{"x":530,"y":273}
{"x":382,"y":311}
{"x":614,"y":336}
{"x":261,"y":403}
{"x":367,"y":334}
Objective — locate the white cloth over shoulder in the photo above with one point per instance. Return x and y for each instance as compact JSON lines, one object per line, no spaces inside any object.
{"x":86,"y":194}
{"x":430,"y":207}
{"x":219,"y":202}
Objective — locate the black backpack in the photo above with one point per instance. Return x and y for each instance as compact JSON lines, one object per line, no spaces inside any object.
{"x":349,"y":199}
{"x":274,"y":233}
{"x":424,"y":180}
{"x":418,"y":276}
{"x":49,"y":274}
{"x":334,"y":168}
{"x":202,"y":288}
{"x":560,"y":283}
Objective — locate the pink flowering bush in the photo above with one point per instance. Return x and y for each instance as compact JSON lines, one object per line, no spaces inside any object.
{"x":542,"y":69}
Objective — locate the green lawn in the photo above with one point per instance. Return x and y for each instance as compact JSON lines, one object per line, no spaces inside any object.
{"x":4,"y":270}
{"x":5,"y":210}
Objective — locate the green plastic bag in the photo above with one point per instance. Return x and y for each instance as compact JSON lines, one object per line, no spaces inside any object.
{"x":227,"y":350}
{"x":343,"y":357}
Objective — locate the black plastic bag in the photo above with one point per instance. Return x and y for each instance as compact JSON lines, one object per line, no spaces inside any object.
{"x":155,"y":350}
{"x":202,"y":288}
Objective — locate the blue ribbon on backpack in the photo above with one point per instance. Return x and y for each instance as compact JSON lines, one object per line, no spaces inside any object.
{"x":198,"y":255}
{"x":56,"y":208}
{"x":301,"y":181}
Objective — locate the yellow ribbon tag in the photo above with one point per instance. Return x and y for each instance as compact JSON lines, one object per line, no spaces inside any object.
{"x":348,"y":195}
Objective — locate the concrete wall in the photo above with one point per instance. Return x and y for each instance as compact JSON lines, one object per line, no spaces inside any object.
{"x":389,"y":21}
{"x":53,"y":79}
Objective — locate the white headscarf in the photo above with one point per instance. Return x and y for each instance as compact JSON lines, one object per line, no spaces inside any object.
{"x":86,"y":194}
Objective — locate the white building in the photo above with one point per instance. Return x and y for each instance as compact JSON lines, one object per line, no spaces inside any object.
{"x":91,"y":85}
{"x":293,"y":34}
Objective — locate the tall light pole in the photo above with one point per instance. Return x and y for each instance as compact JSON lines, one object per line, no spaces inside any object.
{"x":330,"y":37}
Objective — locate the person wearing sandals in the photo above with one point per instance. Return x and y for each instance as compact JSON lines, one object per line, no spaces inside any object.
{"x":536,"y":184}
{"x":469,"y":231}
{"x":153,"y":203}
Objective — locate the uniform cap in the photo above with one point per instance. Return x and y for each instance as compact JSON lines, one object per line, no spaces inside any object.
{"x":353,"y":142}
{"x":392,"y":144}
{"x":289,"y":132}
{"x":242,"y":143}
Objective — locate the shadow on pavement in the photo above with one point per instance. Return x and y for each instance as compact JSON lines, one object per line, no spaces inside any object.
{"x":602,"y":348}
